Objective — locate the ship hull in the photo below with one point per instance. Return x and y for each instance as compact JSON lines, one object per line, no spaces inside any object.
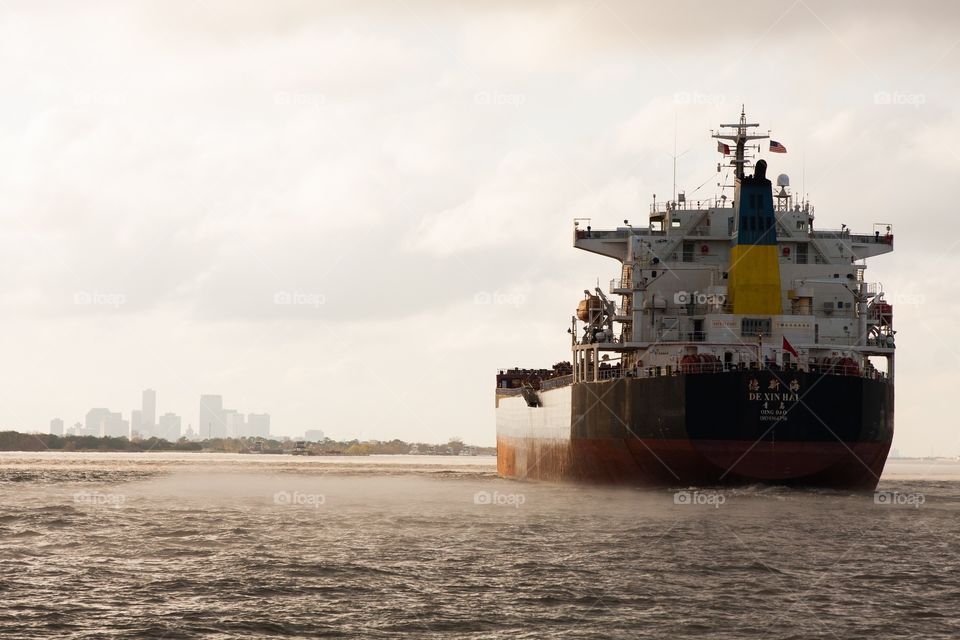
{"x":742,"y":427}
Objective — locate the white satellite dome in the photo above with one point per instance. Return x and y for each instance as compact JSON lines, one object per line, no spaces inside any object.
{"x":783,"y":180}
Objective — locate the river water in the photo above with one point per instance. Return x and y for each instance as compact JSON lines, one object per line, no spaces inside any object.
{"x":231,"y":546}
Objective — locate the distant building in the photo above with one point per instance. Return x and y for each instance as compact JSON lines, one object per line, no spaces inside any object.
{"x":93,"y":423}
{"x":258,"y":425}
{"x":117,"y":427}
{"x":56,"y":427}
{"x":148,"y":417}
{"x":235,"y":424}
{"x":218,"y":422}
{"x":313,"y":435}
{"x":136,"y":424}
{"x":169,"y":427}
{"x":211,"y":423}
{"x":102,"y":422}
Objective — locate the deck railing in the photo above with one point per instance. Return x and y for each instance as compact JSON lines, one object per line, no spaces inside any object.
{"x":614,"y":373}
{"x":716,"y":368}
{"x":553,"y":383}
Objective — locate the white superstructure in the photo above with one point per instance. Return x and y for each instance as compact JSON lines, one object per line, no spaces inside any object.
{"x":674,"y":306}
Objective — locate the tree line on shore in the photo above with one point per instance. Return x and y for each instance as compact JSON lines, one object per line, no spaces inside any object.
{"x":16,"y":441}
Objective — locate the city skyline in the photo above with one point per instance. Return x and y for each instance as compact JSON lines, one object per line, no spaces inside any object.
{"x":214,"y":421}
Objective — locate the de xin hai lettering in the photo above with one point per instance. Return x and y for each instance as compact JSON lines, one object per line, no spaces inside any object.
{"x":774,"y":398}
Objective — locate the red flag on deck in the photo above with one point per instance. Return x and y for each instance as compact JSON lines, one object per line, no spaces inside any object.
{"x":722,"y":148}
{"x":789,"y":348}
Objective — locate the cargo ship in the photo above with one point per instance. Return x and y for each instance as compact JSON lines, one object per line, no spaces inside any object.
{"x":736,"y":345}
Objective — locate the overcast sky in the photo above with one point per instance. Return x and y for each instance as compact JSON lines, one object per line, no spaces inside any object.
{"x":303,"y":205}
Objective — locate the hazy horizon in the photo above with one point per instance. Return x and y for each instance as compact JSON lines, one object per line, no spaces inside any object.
{"x":349,"y":215}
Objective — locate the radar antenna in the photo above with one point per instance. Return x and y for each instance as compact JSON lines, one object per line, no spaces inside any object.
{"x":739,"y":140}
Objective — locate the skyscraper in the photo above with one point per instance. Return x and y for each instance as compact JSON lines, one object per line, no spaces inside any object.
{"x":56,"y":427}
{"x":258,"y":425}
{"x":148,"y":417}
{"x":211,"y":423}
{"x":93,"y":424}
{"x":236,"y":423}
{"x":169,"y":427}
{"x":136,"y":424}
{"x":102,"y":422}
{"x":116,"y":426}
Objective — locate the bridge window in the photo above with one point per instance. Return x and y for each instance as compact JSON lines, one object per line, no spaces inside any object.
{"x":750,"y":327}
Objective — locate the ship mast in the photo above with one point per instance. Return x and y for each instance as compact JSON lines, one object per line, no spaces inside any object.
{"x":739,"y":140}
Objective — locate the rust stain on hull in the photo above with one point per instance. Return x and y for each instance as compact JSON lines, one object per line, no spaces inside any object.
{"x":651,"y":462}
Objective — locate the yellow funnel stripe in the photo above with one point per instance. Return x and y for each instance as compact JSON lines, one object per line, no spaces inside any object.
{"x":754,"y":280}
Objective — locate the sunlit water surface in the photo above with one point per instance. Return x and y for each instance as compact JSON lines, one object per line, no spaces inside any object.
{"x":223,"y":546}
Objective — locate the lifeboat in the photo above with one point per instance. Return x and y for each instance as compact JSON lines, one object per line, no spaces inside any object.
{"x":847,"y":367}
{"x":690,"y":363}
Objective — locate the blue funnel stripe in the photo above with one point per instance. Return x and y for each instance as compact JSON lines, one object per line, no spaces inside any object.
{"x":756,"y":221}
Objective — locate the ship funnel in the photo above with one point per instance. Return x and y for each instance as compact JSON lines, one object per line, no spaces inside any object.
{"x":760,"y":171}
{"x":754,"y":272}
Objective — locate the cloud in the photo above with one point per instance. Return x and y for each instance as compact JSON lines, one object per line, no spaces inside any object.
{"x":297,"y":203}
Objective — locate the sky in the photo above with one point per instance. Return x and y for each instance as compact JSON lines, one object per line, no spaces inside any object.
{"x":350,"y":214}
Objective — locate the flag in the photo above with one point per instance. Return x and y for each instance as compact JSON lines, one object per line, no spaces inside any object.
{"x":776,"y":147}
{"x":722,"y":148}
{"x":789,"y":348}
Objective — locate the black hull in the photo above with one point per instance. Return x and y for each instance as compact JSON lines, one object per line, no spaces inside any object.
{"x":740,"y":427}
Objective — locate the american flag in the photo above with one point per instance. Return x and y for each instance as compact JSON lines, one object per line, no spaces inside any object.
{"x":776,"y":147}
